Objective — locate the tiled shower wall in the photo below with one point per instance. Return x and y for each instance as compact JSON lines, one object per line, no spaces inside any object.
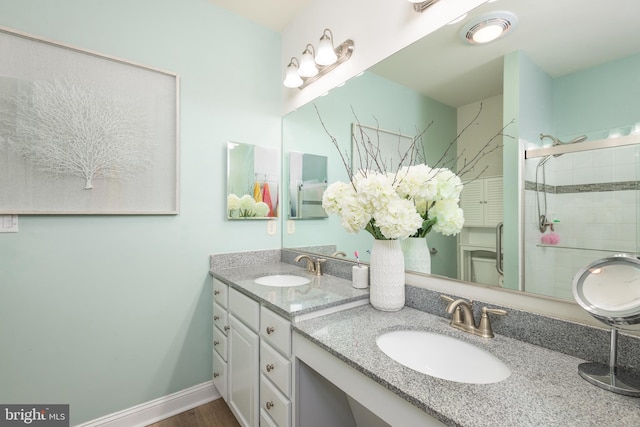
{"x":595,"y":196}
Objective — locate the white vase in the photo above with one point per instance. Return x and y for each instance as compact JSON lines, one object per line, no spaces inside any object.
{"x":416,"y":254}
{"x":386,"y":275}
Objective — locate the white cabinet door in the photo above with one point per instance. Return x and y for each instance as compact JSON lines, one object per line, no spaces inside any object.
{"x":471,"y":202}
{"x":482,"y":202}
{"x":494,"y":195}
{"x":244,"y":373}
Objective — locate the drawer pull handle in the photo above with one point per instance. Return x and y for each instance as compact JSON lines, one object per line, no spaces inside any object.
{"x":270,"y":367}
{"x":270,"y":330}
{"x":216,"y":292}
{"x":226,"y":328}
{"x":216,"y":375}
{"x":216,"y":343}
{"x":216,"y":317}
{"x":269,"y":405}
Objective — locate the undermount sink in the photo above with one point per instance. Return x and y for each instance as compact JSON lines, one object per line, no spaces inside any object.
{"x":443,"y":357}
{"x":282,"y":280}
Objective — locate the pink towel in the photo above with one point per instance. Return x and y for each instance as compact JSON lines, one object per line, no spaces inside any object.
{"x":266,"y":197}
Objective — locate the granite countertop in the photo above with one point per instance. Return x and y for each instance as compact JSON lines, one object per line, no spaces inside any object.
{"x":544,"y":388}
{"x":323,"y":292}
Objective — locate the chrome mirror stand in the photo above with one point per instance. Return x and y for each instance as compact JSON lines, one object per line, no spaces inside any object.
{"x":607,"y":289}
{"x":611,"y":377}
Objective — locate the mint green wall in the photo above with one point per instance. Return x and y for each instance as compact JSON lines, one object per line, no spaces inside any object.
{"x":579,"y":99}
{"x":528,"y":95}
{"x":106,"y":312}
{"x":397,"y":109}
{"x":536,"y":100}
{"x":511,"y":155}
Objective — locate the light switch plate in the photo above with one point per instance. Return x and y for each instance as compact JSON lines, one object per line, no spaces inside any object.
{"x":271,"y":227}
{"x":291,"y":226}
{"x":8,"y":223}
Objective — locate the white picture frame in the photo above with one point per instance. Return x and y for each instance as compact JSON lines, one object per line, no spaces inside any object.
{"x":390,"y":147}
{"x":84,"y":133}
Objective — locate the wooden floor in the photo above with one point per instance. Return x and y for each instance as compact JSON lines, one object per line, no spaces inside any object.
{"x":212,"y":414}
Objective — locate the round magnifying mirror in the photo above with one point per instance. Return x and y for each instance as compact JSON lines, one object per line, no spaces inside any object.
{"x":609,"y":289}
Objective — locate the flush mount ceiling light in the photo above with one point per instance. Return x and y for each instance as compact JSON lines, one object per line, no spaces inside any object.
{"x":488,"y":28}
{"x":314,"y":65}
{"x":422,"y":5}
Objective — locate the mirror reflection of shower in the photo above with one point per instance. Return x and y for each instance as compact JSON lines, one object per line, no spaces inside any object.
{"x":590,"y":193}
{"x":543,"y":221}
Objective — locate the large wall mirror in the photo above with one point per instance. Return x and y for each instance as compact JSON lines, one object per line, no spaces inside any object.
{"x":565,"y":70}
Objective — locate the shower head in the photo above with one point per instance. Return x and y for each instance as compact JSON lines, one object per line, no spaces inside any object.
{"x":580,"y":138}
{"x":556,"y":141}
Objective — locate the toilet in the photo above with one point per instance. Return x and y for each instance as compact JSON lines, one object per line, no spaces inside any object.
{"x":483,"y":271}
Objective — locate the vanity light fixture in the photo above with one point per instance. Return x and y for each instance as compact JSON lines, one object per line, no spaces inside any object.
{"x":422,"y":5}
{"x":488,"y":28}
{"x":314,"y":65}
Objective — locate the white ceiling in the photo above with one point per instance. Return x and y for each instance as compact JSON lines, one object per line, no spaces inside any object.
{"x":274,"y":14}
{"x":561,"y":36}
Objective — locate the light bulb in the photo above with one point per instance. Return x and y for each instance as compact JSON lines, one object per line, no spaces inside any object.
{"x":292,"y":79}
{"x":307,"y":64}
{"x":488,"y":33}
{"x":326,"y":54}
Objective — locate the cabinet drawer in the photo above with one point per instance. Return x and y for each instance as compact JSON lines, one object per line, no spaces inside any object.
{"x":220,"y":293}
{"x":220,"y":375}
{"x":275,"y":367}
{"x":276,"y":330}
{"x":220,"y":318}
{"x":245,"y":309}
{"x":275,"y":403}
{"x":220,"y":343}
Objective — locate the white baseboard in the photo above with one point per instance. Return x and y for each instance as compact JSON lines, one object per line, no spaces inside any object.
{"x":158,"y":409}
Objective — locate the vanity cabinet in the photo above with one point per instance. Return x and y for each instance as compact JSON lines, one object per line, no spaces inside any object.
{"x":244,"y":358}
{"x":251,"y":359}
{"x":220,"y":331}
{"x":275,"y":367}
{"x":482,"y":202}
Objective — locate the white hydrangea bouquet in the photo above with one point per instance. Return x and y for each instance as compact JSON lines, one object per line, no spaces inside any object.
{"x":408,"y":203}
{"x":435,"y":193}
{"x":246,"y":207}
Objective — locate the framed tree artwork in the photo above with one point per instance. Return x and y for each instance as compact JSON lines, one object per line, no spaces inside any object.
{"x":84,"y":133}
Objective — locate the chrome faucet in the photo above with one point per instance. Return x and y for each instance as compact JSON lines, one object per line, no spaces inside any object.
{"x":339,"y":253}
{"x":314,"y":265}
{"x":462,"y":317}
